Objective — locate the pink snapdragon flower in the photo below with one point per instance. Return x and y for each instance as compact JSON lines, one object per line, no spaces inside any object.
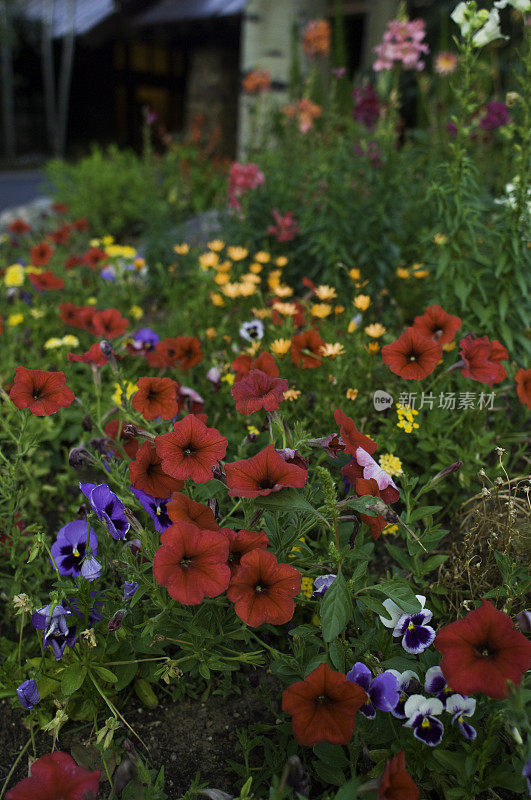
{"x":285,"y":226}
{"x":242,"y":179}
{"x":402,"y":44}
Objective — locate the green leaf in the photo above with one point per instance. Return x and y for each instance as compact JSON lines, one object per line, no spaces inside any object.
{"x":337,"y":655}
{"x":125,"y":674}
{"x":286,"y":500}
{"x":72,"y":678}
{"x":332,"y":754}
{"x":336,"y":609}
{"x":349,"y":790}
{"x":105,"y":674}
{"x":329,"y":774}
{"x":400,"y":594}
{"x":432,"y":563}
{"x":373,"y":604}
{"x":400,"y":556}
{"x":455,"y":762}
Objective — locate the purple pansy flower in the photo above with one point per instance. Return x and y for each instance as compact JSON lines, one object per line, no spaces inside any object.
{"x":145,"y":339}
{"x":28,"y":694}
{"x":435,"y":683}
{"x":407,"y":683}
{"x":322,"y":584}
{"x":155,"y":507}
{"x":56,"y":631}
{"x":91,"y":568}
{"x":382,"y":692}
{"x":69,"y":548}
{"x":130,"y":588}
{"x":421,"y":716}
{"x":107,"y":507}
{"x":416,"y":635}
{"x":460,"y":707}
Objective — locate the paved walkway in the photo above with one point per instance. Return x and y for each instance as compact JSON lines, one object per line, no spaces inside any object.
{"x":19,"y":187}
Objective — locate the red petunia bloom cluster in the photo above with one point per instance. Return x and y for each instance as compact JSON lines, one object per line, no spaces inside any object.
{"x":482,"y":359}
{"x":191,"y":450}
{"x":109,"y":323}
{"x":262,"y":474}
{"x":182,"y":508}
{"x":46,"y":281}
{"x":41,"y":254}
{"x":437,"y":324}
{"x":93,"y":356}
{"x":258,"y":390}
{"x":147,"y":474}
{"x":43,"y":393}
{"x":244,"y":363}
{"x":156,"y":397}
{"x":182,"y":351}
{"x":413,"y":356}
{"x":56,"y":776}
{"x":262,"y":590}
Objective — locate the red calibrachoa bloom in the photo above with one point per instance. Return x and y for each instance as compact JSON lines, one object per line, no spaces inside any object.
{"x":395,"y":783}
{"x":109,"y":323}
{"x":482,"y":651}
{"x":437,"y":324}
{"x":41,"y":254}
{"x":242,"y":542}
{"x":182,"y":508}
{"x":46,"y":281}
{"x":92,"y":356}
{"x":306,"y":349}
{"x":156,"y":397}
{"x":244,"y":363}
{"x":323,"y":707}
{"x":262,"y":474}
{"x":482,"y":359}
{"x":257,"y":390}
{"x":146,"y":473}
{"x":523,"y":386}
{"x":192,"y":563}
{"x":351,"y":436}
{"x":42,"y":392}
{"x":262,"y":590}
{"x":412,"y":356}
{"x":56,"y":776}
{"x":191,"y":450}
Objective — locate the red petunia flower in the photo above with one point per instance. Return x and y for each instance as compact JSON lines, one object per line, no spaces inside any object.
{"x":46,"y":281}
{"x":242,"y":542}
{"x":156,"y":397}
{"x":523,"y":386}
{"x":146,"y":473}
{"x":262,"y":474}
{"x":437,"y":324}
{"x":92,"y":356}
{"x":44,"y":393}
{"x":192,"y":563}
{"x":351,"y":436}
{"x":56,"y":776}
{"x":363,"y":488}
{"x":189,"y":352}
{"x":262,"y":590}
{"x":18,"y":226}
{"x":323,"y":707}
{"x":164,"y":354}
{"x":191,"y":450}
{"x":109,"y":323}
{"x":482,"y":359}
{"x":94,"y":256}
{"x":73,"y":261}
{"x":182,"y":508}
{"x":306,"y":349}
{"x":482,"y":651}
{"x":114,"y":429}
{"x":395,"y":783}
{"x":243,"y":364}
{"x":61,"y":235}
{"x":257,"y":390}
{"x":412,"y":356}
{"x":76,"y":316}
{"x":41,"y":254}
{"x":80,"y":224}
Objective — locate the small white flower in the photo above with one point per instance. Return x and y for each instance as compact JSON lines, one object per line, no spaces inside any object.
{"x":417,"y":704}
{"x":520,"y":5}
{"x":252,"y":331}
{"x":458,"y":704}
{"x":461,"y":16}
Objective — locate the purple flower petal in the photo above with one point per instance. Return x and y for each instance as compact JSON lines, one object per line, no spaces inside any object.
{"x":430,"y":731}
{"x":361,"y":675}
{"x":417,"y":639}
{"x":384,"y":692}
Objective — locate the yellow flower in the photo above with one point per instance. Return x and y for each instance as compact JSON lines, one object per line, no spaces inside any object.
{"x":252,"y":430}
{"x":401,"y":272}
{"x":273,"y":278}
{"x":306,"y":586}
{"x":95,"y":242}
{"x":281,"y":290}
{"x":139,"y":263}
{"x":352,"y":394}
{"x":224,"y":266}
{"x":231,"y":290}
{"x":229,"y":378}
{"x":136,"y":312}
{"x":210,"y":333}
{"x":253,"y":348}
{"x":237,"y":253}
{"x":51,"y":344}
{"x":216,"y":245}
{"x":249,"y":277}
{"x":421,"y":273}
{"x":321,"y":310}
{"x":31,"y":270}
{"x":222,"y":278}
{"x":70,"y":340}
{"x":261,"y":313}
{"x":91,"y":301}
{"x":107,"y":240}
{"x":355,"y":274}
{"x":207,"y":260}
{"x":286,"y":309}
{"x":352,"y":326}
{"x":440,"y":239}
{"x":372,"y":347}
{"x":216,"y":300}
{"x":292,"y":394}
{"x":406,"y":417}
{"x":256,"y":268}
{"x":280,"y":347}
{"x":37,"y":313}
{"x":130,"y":388}
{"x":391,"y":464}
{"x":392,"y":529}
{"x":326,"y":292}
{"x":181,"y":249}
{"x":362,"y":302}
{"x":339,"y":309}
{"x":120,"y":251}
{"x":332,"y":350}
{"x":281,"y":261}
{"x":247,"y":288}
{"x":14,"y":275}
{"x":15,"y":319}
{"x":262,"y":257}
{"x":448,"y":347}
{"x":375,"y":330}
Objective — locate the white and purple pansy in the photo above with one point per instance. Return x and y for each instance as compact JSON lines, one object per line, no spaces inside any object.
{"x":416,"y":635}
{"x":252,"y":330}
{"x":435,"y":683}
{"x":459,"y":707}
{"x":408,"y":683}
{"x":382,"y":692}
{"x":421,"y":713}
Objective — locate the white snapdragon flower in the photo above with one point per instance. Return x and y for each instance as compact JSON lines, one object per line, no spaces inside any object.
{"x":520,"y":5}
{"x":490,"y":30}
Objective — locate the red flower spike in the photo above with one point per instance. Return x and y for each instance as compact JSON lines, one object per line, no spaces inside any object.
{"x":56,"y":776}
{"x":262,"y":590}
{"x":191,"y":450}
{"x":437,"y":324}
{"x":395,"y":783}
{"x":41,"y":254}
{"x":482,"y":359}
{"x":482,"y":651}
{"x":257,"y":390}
{"x":129,"y":443}
{"x":323,"y":707}
{"x":146,"y":473}
{"x":242,"y":542}
{"x":182,"y":508}
{"x":351,"y":436}
{"x":363,"y":488}
{"x":44,"y":393}
{"x":265,"y":362}
{"x":306,"y":349}
{"x":192,"y":563}
{"x":262,"y":474}
{"x":523,"y":386}
{"x":156,"y":397}
{"x":412,"y":356}
{"x":93,"y":356}
{"x":109,"y":323}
